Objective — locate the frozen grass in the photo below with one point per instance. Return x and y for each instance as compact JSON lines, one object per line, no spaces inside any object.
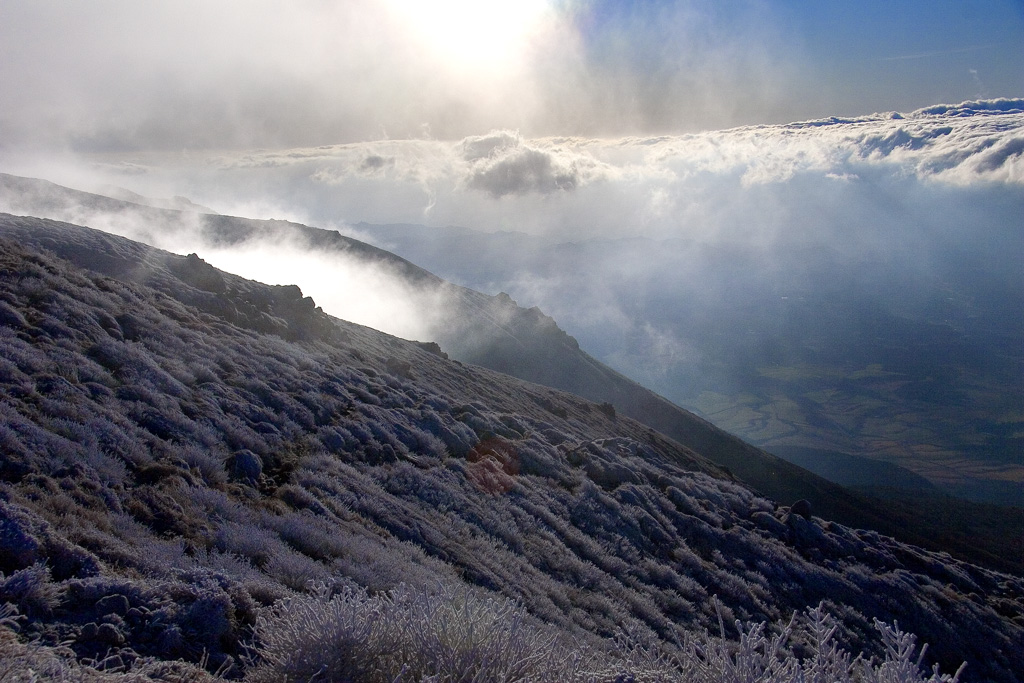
{"x":457,"y":635}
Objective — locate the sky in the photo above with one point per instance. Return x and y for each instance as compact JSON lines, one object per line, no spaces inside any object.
{"x":115,"y":76}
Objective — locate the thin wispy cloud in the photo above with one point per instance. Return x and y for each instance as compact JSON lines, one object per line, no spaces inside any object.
{"x":939,"y":53}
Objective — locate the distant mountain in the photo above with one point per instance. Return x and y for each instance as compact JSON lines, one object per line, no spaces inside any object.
{"x":854,"y":471}
{"x":176,"y":203}
{"x":494,"y":332}
{"x":194,"y":463}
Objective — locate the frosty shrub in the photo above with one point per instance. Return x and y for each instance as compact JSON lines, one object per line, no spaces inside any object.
{"x":30,"y":590}
{"x":452,"y":634}
{"x":768,"y":655}
{"x":123,"y":401}
{"x":456,"y":635}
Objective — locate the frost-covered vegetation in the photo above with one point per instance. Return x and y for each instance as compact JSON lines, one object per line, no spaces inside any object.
{"x":197,"y":469}
{"x":455,"y":635}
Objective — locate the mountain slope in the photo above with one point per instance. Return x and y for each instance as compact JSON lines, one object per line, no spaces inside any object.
{"x":182,"y":446}
{"x":496,"y":333}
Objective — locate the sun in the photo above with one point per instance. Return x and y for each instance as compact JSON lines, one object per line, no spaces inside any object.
{"x":473,"y":34}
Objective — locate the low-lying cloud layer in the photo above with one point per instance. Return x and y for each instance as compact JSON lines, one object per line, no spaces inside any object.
{"x":745,"y":183}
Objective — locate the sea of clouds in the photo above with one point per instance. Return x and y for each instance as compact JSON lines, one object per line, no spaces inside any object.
{"x":749,"y":182}
{"x":892,"y":187}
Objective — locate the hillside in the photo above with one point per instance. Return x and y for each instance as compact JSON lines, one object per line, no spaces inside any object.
{"x":183,"y":448}
{"x":496,"y":333}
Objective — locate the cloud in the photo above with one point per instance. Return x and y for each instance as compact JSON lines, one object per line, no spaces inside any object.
{"x":528,"y":170}
{"x":476,"y":148}
{"x":748,"y":183}
{"x":375,"y":162}
{"x":117,"y":76}
{"x":973,"y":108}
{"x":501,"y":164}
{"x":938,"y":53}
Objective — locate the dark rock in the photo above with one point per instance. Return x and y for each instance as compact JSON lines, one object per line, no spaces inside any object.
{"x":801,"y":507}
{"x":198,"y":273}
{"x":805,"y":532}
{"x":112,"y":604}
{"x":245,"y":466}
{"x":770,"y":524}
{"x":432,"y":347}
{"x":109,"y":634}
{"x":287,"y":293}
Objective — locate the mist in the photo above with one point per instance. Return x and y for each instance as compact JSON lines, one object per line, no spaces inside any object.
{"x":347,"y":288}
{"x":345,"y":285}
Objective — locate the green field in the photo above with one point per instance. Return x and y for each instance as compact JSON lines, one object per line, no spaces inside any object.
{"x":972,"y":446}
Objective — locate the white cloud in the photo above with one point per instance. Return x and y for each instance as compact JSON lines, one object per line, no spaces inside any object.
{"x":501,"y":164}
{"x":746,"y":182}
{"x":669,"y":184}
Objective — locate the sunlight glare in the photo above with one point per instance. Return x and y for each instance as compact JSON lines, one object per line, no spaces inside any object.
{"x":470,"y":34}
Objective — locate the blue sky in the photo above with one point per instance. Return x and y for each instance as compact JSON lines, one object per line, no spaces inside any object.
{"x":819,"y":58}
{"x":114,"y":75}
{"x":909,"y":52}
